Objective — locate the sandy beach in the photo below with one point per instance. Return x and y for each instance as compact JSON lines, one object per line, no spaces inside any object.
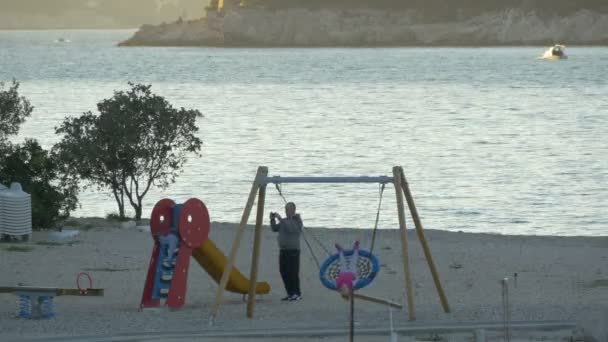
{"x":558,"y":279}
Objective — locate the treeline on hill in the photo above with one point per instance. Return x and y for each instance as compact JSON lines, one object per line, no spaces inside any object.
{"x":442,"y":9}
{"x":131,"y":11}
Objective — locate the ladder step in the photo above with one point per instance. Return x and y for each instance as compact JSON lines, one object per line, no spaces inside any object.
{"x":169,"y":264}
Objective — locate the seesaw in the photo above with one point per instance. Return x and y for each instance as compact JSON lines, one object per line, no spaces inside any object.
{"x":37,"y":302}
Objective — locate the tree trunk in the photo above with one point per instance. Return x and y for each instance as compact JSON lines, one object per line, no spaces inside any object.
{"x":120,"y":201}
{"x":138,"y":210}
{"x":122,"y":205}
{"x":133,"y":196}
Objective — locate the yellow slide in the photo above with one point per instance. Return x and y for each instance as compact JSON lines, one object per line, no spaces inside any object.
{"x":213,"y":261}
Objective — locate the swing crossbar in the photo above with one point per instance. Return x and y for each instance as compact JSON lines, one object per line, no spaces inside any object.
{"x":337,"y":179}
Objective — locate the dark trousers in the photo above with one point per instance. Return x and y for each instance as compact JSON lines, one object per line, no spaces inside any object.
{"x":289,"y":266}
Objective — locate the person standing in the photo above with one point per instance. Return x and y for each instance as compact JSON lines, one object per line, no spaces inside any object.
{"x":290,"y":230}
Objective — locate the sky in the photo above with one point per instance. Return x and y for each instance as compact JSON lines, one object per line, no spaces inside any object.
{"x":41,"y":14}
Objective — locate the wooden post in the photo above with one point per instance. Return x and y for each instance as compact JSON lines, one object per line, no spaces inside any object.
{"x":257,"y":240}
{"x":423,"y":242}
{"x":236,"y":243}
{"x":404,"y":249}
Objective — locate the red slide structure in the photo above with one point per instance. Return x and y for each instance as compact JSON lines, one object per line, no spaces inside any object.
{"x":168,"y":272}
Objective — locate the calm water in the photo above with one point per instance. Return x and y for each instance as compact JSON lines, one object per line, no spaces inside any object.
{"x":491,"y":140}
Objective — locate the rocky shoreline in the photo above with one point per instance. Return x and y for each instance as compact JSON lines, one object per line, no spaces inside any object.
{"x":369,"y":27}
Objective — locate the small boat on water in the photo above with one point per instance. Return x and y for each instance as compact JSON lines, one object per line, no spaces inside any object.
{"x":555,"y":52}
{"x":62,"y":40}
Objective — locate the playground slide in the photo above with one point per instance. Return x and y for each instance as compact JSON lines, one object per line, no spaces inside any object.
{"x":213,"y":261}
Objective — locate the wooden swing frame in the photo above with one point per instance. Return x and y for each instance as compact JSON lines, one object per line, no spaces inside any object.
{"x":259,"y":187}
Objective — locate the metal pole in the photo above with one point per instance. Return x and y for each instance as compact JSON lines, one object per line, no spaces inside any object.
{"x":337,"y":179}
{"x":506,"y":310}
{"x":352,"y":316}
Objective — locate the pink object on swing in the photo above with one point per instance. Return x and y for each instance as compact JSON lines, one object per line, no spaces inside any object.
{"x":348,"y":268}
{"x":347,"y":279}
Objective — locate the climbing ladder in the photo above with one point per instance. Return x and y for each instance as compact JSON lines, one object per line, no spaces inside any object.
{"x":165,"y":266}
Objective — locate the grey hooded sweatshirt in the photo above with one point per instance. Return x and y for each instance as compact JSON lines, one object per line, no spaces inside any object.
{"x":289,"y":229}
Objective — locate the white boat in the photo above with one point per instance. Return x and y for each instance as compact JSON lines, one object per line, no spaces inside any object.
{"x":555,"y":52}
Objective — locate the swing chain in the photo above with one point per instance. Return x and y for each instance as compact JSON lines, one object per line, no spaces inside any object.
{"x":278,"y":186}
{"x":371,"y":248}
{"x":311,"y":251}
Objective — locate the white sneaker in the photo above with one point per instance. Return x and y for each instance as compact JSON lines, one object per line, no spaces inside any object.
{"x":295,"y":298}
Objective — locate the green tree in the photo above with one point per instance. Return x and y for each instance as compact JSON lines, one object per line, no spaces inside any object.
{"x":53,"y":195}
{"x":138,"y":140}
{"x":14,"y":109}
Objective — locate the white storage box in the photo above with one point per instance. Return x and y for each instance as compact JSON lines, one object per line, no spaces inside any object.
{"x":2,"y":188}
{"x":15,"y":211}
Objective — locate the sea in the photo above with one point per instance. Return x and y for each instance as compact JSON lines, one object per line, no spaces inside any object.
{"x":491,"y":140}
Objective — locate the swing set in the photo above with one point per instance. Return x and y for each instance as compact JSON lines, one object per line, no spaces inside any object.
{"x":367,"y":264}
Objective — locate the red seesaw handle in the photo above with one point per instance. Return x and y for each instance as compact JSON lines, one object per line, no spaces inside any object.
{"x":84,"y":291}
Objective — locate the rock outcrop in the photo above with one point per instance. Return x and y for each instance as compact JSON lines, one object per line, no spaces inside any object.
{"x":372,"y":27}
{"x":180,"y":33}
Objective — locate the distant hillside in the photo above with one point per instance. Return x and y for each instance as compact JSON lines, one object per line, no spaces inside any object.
{"x":41,"y":14}
{"x":50,"y":14}
{"x":263,"y":26}
{"x":440,"y":10}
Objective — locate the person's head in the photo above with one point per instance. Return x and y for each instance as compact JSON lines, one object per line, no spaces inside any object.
{"x":290,"y":209}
